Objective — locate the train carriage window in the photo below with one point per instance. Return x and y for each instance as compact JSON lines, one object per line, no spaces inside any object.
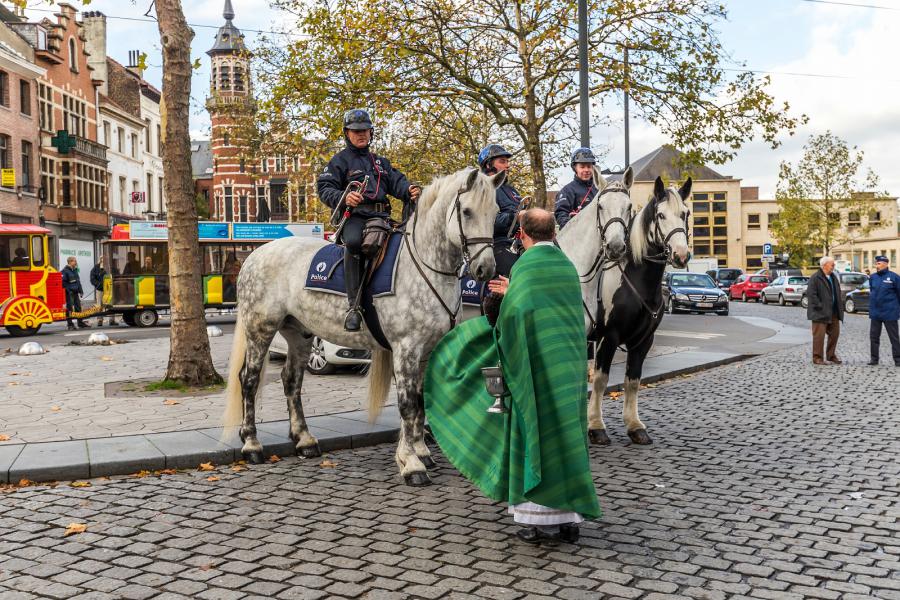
{"x":14,"y":252}
{"x":37,"y":251}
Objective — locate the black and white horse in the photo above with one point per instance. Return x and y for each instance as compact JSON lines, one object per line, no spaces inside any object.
{"x":631,"y":304}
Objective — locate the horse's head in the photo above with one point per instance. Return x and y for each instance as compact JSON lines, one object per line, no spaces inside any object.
{"x":470,"y":221}
{"x":613,"y":213}
{"x":664,"y":224}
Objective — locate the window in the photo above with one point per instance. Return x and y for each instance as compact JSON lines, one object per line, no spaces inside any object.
{"x":700,"y":196}
{"x":226,"y":139}
{"x":701,"y":231}
{"x":265,"y":165}
{"x":701,"y":220}
{"x":720,"y":231}
{"x":161,"y":196}
{"x":158,"y":140}
{"x":279,"y":164}
{"x":701,"y":207}
{"x":73,"y":58}
{"x":4,"y":88}
{"x":134,"y":145}
{"x":753,"y":221}
{"x":150,"y":192}
{"x":123,"y":201}
{"x":242,"y":205}
{"x":5,"y":158}
{"x":238,"y":79}
{"x":121,"y":139}
{"x":778,"y":281}
{"x":14,"y":252}
{"x":74,"y":115}
{"x":701,"y":249}
{"x":773,"y":220}
{"x":853,"y":219}
{"x":48,"y":180}
{"x":229,"y":207}
{"x":37,"y":251}
{"x":106,"y":133}
{"x":224,"y":78}
{"x":45,"y":102}
{"x":719,"y":206}
{"x":875,"y":217}
{"x":148,"y":137}
{"x":720,"y":220}
{"x":27,"y":155}
{"x":25,"y":97}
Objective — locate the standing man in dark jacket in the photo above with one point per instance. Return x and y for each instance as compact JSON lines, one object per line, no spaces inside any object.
{"x":825,"y":310}
{"x":98,"y":273}
{"x":884,"y":309}
{"x":579,"y":193}
{"x":492,"y":159}
{"x":72,"y":285}
{"x":354,"y":163}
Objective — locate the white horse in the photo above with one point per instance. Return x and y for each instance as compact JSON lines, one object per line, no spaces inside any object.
{"x":453,"y":223}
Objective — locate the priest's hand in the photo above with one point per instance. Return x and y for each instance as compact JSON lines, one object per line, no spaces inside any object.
{"x":499,"y":286}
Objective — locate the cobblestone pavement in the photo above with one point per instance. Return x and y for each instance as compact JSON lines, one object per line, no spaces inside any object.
{"x":770,"y":478}
{"x":60,"y":395}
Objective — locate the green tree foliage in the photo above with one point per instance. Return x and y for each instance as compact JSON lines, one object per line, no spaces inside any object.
{"x":445,"y":78}
{"x":823,"y":202}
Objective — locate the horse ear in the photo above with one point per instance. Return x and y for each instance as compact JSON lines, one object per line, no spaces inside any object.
{"x":659,"y":189}
{"x":599,"y":180}
{"x":470,"y":180}
{"x":685,"y":190}
{"x":499,"y":179}
{"x":628,"y":178}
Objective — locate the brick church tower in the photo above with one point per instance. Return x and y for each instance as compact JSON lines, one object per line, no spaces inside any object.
{"x":229,"y":94}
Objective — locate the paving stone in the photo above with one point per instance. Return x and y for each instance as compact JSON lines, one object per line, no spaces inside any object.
{"x":51,"y":461}
{"x":123,"y":455}
{"x":186,"y":449}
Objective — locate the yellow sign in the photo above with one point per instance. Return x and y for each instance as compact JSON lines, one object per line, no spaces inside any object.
{"x":8,"y":178}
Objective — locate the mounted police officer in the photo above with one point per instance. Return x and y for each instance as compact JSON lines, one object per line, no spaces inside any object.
{"x":355,"y":163}
{"x":579,"y":193}
{"x":493,"y":159}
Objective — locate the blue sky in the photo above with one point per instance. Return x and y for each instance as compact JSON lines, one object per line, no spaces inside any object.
{"x":784,"y":36}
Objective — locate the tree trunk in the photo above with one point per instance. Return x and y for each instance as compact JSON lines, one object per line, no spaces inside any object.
{"x":536,"y":158}
{"x":190,"y":361}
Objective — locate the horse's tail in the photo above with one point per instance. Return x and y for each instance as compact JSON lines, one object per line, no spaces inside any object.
{"x":381,"y":371}
{"x":234,"y":400}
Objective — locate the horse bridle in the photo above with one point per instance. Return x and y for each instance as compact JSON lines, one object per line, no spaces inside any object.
{"x":599,"y":260}
{"x":665,"y":255}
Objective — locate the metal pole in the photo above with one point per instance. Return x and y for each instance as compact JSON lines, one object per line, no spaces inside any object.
{"x":627,"y":134}
{"x":583,"y":82}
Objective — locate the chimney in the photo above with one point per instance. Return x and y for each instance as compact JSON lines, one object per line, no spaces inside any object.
{"x":134,"y":57}
{"x":94,"y":24}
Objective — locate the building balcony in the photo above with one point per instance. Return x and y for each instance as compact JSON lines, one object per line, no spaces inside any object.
{"x":90,"y":148}
{"x":85,"y":218}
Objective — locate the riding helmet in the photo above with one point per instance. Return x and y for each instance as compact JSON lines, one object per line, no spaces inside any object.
{"x":583,"y":155}
{"x":489,"y":153}
{"x":357,"y":120}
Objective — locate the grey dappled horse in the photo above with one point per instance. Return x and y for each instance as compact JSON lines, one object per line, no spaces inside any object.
{"x":454,"y":220}
{"x":631,"y":302}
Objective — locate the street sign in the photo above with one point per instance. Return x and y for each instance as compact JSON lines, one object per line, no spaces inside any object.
{"x":768,"y":257}
{"x":767,"y":249}
{"x":137,"y":197}
{"x":8,"y":178}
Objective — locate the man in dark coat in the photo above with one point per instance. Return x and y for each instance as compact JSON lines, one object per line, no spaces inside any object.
{"x":493,"y":159}
{"x":354,"y":163}
{"x":884,"y":309}
{"x":580,"y":191}
{"x":72,"y":285}
{"x":825,"y":310}
{"x":98,"y":273}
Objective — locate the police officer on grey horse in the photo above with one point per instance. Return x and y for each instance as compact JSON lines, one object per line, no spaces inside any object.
{"x":492,"y":159}
{"x":580,"y":191}
{"x":356,"y":163}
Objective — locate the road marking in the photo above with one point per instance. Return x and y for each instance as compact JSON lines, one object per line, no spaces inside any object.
{"x":693,"y":335}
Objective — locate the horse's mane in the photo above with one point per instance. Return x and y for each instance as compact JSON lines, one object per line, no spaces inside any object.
{"x":433,"y":191}
{"x":639,"y":235}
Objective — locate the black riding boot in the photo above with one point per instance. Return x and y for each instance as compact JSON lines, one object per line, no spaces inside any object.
{"x":353,"y":273}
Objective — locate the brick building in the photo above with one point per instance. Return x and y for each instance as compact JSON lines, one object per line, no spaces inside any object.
{"x":19,"y":137}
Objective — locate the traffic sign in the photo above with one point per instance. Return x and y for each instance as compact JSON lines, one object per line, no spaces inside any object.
{"x":768,"y":257}
{"x":767,"y":249}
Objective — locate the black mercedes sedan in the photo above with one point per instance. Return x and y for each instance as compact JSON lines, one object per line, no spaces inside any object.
{"x":693,"y":292}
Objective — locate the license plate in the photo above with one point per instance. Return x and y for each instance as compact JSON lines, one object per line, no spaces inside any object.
{"x":704,"y":305}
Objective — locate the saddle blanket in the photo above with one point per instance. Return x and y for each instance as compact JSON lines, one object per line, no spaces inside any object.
{"x":326,"y":271}
{"x":473,"y":292}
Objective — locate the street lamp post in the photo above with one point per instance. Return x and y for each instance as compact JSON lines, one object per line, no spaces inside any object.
{"x":583,"y":81}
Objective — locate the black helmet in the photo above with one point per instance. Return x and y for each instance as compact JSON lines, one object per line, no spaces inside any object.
{"x":489,"y":153}
{"x":583,"y":155}
{"x":357,"y":120}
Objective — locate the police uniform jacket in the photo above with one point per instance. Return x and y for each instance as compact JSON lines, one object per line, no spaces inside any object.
{"x":884,"y":296}
{"x":572,"y":198}
{"x":353,"y":164}
{"x":508,"y":202}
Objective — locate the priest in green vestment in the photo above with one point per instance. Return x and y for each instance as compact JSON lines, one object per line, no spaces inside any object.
{"x":534,"y":457}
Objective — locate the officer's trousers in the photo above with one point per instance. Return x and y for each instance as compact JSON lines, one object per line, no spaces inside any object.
{"x":875,"y":338}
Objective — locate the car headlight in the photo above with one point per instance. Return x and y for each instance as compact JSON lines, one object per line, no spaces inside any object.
{"x":682,"y":297}
{"x":722,"y":296}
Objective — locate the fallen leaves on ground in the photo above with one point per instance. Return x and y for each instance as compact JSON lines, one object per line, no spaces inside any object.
{"x":274,"y":458}
{"x":615,"y":394}
{"x":74,"y":528}
{"x":165,"y":472}
{"x":207,"y":466}
{"x":4,"y":437}
{"x":141,"y":474}
{"x":206,"y":567}
{"x":212,"y":478}
{"x":171,"y":402}
{"x":238,"y":468}
{"x":328,"y":464}
{"x":77,"y":484}
{"x":55,"y":408}
{"x":106,"y":358}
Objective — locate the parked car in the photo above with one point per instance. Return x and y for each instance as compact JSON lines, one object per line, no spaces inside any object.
{"x":693,"y":292}
{"x":785,"y":289}
{"x":747,"y":287}
{"x":325,"y":357}
{"x":773,"y":274}
{"x":850,"y":281}
{"x":858,"y":299}
{"x":725,"y":277}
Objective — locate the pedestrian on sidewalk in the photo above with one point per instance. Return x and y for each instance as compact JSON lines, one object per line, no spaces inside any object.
{"x":534,"y":457}
{"x":98,"y":273}
{"x":72,"y":285}
{"x":825,"y":309}
{"x":884,"y":309}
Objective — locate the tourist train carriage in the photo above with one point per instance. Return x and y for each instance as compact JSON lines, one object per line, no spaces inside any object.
{"x":31,"y":292}
{"x":136,"y":260}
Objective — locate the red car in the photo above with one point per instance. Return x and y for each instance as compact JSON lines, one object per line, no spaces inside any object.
{"x":747,"y":287}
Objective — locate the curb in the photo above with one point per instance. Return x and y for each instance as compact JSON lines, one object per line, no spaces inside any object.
{"x":124,"y":455}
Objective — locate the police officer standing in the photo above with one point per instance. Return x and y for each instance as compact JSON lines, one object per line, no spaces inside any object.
{"x":354,"y":163}
{"x":884,"y":308}
{"x":493,"y":159}
{"x":579,"y":193}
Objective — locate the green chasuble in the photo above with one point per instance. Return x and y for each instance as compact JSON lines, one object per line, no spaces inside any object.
{"x":538,"y":451}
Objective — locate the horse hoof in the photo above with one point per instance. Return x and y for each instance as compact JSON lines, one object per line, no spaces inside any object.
{"x":417,"y":479}
{"x":598,"y":437}
{"x":310,"y":451}
{"x":640,"y":437}
{"x":254,"y":458}
{"x":428,"y":462}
